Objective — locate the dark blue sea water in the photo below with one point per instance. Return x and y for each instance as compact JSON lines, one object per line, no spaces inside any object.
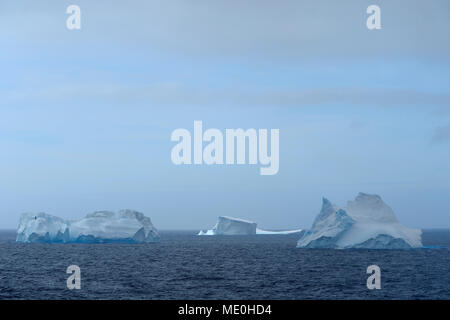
{"x":186,"y":266}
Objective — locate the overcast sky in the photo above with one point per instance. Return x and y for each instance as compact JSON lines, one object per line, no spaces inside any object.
{"x":86,"y":115}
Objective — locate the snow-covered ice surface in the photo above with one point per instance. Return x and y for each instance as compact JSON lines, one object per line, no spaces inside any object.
{"x":231,"y":226}
{"x":261,"y":231}
{"x":366,"y":222}
{"x":235,"y":226}
{"x":97,"y":227}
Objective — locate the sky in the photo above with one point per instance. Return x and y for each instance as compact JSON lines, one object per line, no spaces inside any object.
{"x":86,"y":115}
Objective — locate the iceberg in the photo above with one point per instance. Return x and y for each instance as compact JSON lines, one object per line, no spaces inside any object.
{"x":125,"y":226}
{"x":367,"y":222}
{"x":261,"y":231}
{"x":234,"y":226}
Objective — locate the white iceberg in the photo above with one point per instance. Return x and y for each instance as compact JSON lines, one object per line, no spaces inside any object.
{"x":366,"y":222}
{"x":98,"y":227}
{"x":230,"y":226}
{"x":261,"y":231}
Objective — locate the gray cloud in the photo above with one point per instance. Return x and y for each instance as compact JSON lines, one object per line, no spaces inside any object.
{"x":278,"y":30}
{"x":357,"y":125}
{"x":176,"y":94}
{"x":442,"y":134}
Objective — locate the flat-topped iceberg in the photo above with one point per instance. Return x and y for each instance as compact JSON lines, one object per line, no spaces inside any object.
{"x":366,"y":222}
{"x":126,"y":226}
{"x":231,"y":226}
{"x":234,"y":226}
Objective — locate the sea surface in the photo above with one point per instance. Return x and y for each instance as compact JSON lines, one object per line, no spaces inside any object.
{"x":186,"y":266}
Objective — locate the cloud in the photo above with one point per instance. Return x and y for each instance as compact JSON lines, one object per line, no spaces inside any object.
{"x":176,"y":94}
{"x":442,"y":134}
{"x":293,"y":30}
{"x":357,"y":125}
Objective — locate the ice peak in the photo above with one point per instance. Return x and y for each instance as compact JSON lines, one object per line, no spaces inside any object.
{"x":327,"y":205}
{"x":370,"y":206}
{"x":327,"y":209}
{"x":368,"y":198}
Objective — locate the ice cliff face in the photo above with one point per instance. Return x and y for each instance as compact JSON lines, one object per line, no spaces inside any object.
{"x":97,"y":227}
{"x":234,"y":226}
{"x":231,"y":226}
{"x":42,"y":227}
{"x":366,"y":222}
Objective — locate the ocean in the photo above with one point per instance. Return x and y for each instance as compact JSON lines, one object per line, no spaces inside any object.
{"x":186,"y":266}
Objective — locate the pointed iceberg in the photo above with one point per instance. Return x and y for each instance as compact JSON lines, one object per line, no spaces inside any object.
{"x":366,"y":222}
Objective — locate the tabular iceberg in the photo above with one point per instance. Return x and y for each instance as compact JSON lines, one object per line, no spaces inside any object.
{"x":233,"y":226}
{"x":367,"y":222}
{"x":98,"y":227}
